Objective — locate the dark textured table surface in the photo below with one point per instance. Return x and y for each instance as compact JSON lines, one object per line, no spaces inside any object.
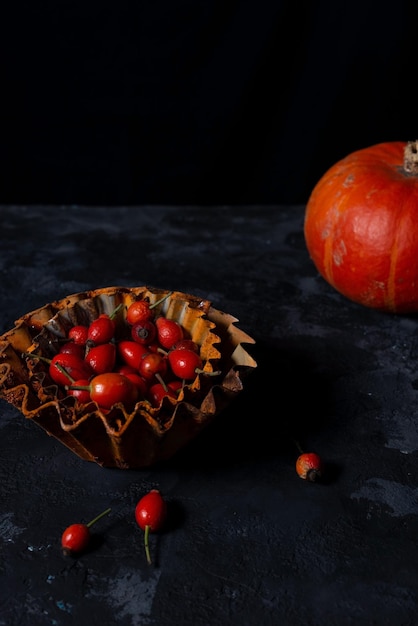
{"x":252,"y":543}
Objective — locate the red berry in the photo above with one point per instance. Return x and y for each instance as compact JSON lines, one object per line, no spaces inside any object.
{"x":184,"y":363}
{"x":168,"y":332}
{"x":102,"y":358}
{"x":139,"y":311}
{"x":186,"y":344}
{"x":131,"y":352}
{"x":142,"y":310}
{"x":153,"y":364}
{"x":144,"y":332}
{"x":101,"y":330}
{"x":81,"y":391}
{"x":79,"y":334}
{"x":158,"y":391}
{"x":309,"y":466}
{"x":109,"y":389}
{"x":133,"y":375}
{"x":150,"y":515}
{"x":65,"y":368}
{"x":75,"y":539}
{"x":70,"y":347}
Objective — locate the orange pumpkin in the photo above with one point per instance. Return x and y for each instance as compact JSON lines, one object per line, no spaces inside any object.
{"x":361,"y":226}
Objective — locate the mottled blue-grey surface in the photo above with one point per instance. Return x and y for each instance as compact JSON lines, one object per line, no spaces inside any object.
{"x":249,"y":543}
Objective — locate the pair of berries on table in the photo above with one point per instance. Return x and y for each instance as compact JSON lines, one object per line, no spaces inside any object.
{"x":150,"y":515}
{"x":148,"y":359}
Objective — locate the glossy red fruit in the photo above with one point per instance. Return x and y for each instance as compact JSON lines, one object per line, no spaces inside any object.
{"x":309,"y":466}
{"x":142,"y":310}
{"x":110,"y":389}
{"x":78,"y":334}
{"x":144,"y":332}
{"x":70,"y":347}
{"x":186,"y":344}
{"x":184,"y":363}
{"x":102,"y":358}
{"x":139,"y":311}
{"x":153,"y":364}
{"x":168,"y":332}
{"x":81,"y":391}
{"x":150,"y":515}
{"x":131,"y":352}
{"x":139,"y":383}
{"x":158,"y":391}
{"x":65,"y":368}
{"x":101,"y":330}
{"x":76,"y":538}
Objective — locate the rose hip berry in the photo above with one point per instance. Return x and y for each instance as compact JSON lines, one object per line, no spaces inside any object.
{"x":158,"y":391}
{"x":101,"y":330}
{"x":70,"y":347}
{"x":102,"y":358}
{"x":144,"y":332}
{"x":184,"y":363}
{"x":131,"y":352}
{"x":109,"y":389}
{"x":153,"y":365}
{"x":168,"y":332}
{"x":64,"y":367}
{"x":150,"y":515}
{"x":80,"y":391}
{"x":186,"y":344}
{"x":142,"y":310}
{"x":79,"y":334}
{"x":309,"y":466}
{"x":75,"y":538}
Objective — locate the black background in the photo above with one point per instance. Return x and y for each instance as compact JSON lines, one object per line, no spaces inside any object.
{"x":201,"y":102}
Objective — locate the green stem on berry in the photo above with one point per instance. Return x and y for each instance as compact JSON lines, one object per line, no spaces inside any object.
{"x":78,"y":387}
{"x":146,"y":544}
{"x":299,"y":447}
{"x":161,"y":381}
{"x":116,"y":310}
{"x":215,"y":373}
{"x":32,"y":355}
{"x":152,"y":306}
{"x":64,"y":371}
{"x":46,"y":360}
{"x":96,"y":519}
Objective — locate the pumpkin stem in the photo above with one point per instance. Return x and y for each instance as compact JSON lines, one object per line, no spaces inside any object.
{"x":410,"y":159}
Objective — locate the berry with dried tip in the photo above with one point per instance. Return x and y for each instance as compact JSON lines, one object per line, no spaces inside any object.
{"x":309,"y":466}
{"x":144,"y":332}
{"x":75,"y":539}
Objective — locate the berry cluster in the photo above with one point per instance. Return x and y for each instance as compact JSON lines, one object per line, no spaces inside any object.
{"x":152,"y":358}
